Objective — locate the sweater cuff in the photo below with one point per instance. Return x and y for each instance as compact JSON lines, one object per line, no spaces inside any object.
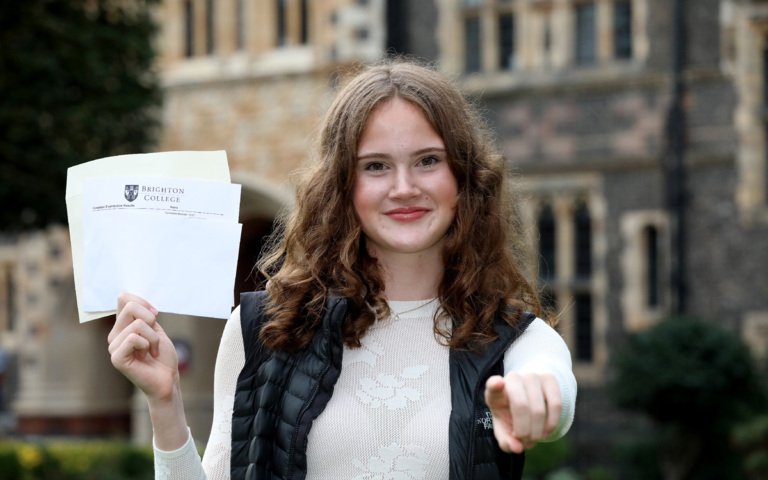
{"x":567,"y":384}
{"x":172,"y":454}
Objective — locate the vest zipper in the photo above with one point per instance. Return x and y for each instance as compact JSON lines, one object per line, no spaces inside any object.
{"x":478,"y":391}
{"x":312,"y":398}
{"x":300,"y":426}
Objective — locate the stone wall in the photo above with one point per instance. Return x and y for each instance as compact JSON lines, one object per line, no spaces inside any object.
{"x":65,"y":382}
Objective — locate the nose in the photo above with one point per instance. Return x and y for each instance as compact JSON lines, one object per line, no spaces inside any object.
{"x":403,"y":184}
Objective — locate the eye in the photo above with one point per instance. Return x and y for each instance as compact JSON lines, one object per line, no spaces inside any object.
{"x":429,"y":161}
{"x":374,"y":166}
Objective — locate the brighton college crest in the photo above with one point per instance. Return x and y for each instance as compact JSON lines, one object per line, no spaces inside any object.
{"x":131,"y":192}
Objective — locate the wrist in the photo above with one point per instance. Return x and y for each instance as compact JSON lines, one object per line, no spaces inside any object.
{"x":169,"y":423}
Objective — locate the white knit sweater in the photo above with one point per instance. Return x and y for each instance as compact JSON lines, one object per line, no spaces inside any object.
{"x":388,"y":416}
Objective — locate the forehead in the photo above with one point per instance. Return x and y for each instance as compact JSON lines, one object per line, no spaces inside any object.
{"x":398,"y":122}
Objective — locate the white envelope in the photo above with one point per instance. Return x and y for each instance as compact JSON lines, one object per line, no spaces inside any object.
{"x":180,"y":265}
{"x":210,"y":166}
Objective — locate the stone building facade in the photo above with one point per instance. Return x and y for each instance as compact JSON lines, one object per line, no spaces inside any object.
{"x":578,"y":93}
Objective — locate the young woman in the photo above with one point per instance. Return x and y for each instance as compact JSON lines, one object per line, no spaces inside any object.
{"x":392,"y":341}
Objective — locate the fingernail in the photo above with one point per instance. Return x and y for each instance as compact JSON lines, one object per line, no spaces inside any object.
{"x":153,"y":310}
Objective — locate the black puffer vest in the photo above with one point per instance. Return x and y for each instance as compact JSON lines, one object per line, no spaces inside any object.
{"x":279,"y":395}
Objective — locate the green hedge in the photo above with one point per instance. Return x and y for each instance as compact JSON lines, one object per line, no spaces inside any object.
{"x":111,"y":460}
{"x":546,"y":458}
{"x":699,"y":385}
{"x":75,"y":460}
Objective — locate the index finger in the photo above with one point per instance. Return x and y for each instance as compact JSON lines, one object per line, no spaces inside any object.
{"x":496,"y":395}
{"x":126,"y":297}
{"x":129,"y":311}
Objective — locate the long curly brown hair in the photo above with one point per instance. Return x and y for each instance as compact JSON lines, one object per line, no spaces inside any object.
{"x":319,"y":249}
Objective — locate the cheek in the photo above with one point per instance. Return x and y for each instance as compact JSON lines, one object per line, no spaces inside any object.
{"x":450,"y":197}
{"x":360,"y":200}
{"x":454,"y":195}
{"x":450,"y":192}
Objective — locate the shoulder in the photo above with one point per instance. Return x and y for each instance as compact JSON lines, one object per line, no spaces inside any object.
{"x":233,"y":323}
{"x":538,"y":344}
{"x":250,"y":301}
{"x":252,"y":305}
{"x":511,"y":323}
{"x":539,"y":330}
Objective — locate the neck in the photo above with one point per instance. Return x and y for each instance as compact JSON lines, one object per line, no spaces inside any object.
{"x":411,"y":276}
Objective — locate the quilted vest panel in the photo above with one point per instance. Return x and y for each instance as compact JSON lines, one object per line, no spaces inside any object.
{"x":472,"y":448}
{"x":278,"y":396}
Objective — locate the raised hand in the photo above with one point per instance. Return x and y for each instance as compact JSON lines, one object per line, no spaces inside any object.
{"x":140,"y":349}
{"x":525,"y":408}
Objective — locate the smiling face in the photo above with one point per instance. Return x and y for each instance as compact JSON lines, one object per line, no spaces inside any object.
{"x":404,"y":191}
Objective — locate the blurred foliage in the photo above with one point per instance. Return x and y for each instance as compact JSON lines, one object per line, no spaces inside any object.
{"x":77,"y":85}
{"x":636,"y":453}
{"x":752,"y":438}
{"x":75,"y":461}
{"x":697,"y":382}
{"x":546,"y":458}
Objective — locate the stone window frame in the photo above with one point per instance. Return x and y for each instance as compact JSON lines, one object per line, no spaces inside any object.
{"x":244,"y":40}
{"x":221,"y":24}
{"x":544,"y":35}
{"x":198,"y":28}
{"x":565,"y":195}
{"x":8,"y":287}
{"x":246,"y":45}
{"x":488,"y":13}
{"x":748,"y":23}
{"x":638,"y":315}
{"x":35,"y":269}
{"x":618,"y":54}
{"x":294,"y":25}
{"x":210,"y":27}
{"x":239,"y":29}
{"x":188,"y":28}
{"x":592,"y":36}
{"x":754,"y":332}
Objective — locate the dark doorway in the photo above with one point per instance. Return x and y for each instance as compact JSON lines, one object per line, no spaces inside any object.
{"x":255,"y":232}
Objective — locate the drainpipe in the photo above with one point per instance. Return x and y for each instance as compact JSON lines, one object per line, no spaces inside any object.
{"x":674,"y":163}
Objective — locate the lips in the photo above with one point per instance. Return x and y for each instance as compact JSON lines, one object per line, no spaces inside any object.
{"x":406,"y":214}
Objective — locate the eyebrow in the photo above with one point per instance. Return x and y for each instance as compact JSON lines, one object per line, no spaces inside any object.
{"x":418,"y":152}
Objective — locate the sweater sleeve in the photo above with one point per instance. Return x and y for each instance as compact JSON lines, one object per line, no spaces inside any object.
{"x":184,"y":463}
{"x":540,"y":349}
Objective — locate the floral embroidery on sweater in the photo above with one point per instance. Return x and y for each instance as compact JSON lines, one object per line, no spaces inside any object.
{"x":394,"y":462}
{"x":389,"y":390}
{"x":368,"y":353}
